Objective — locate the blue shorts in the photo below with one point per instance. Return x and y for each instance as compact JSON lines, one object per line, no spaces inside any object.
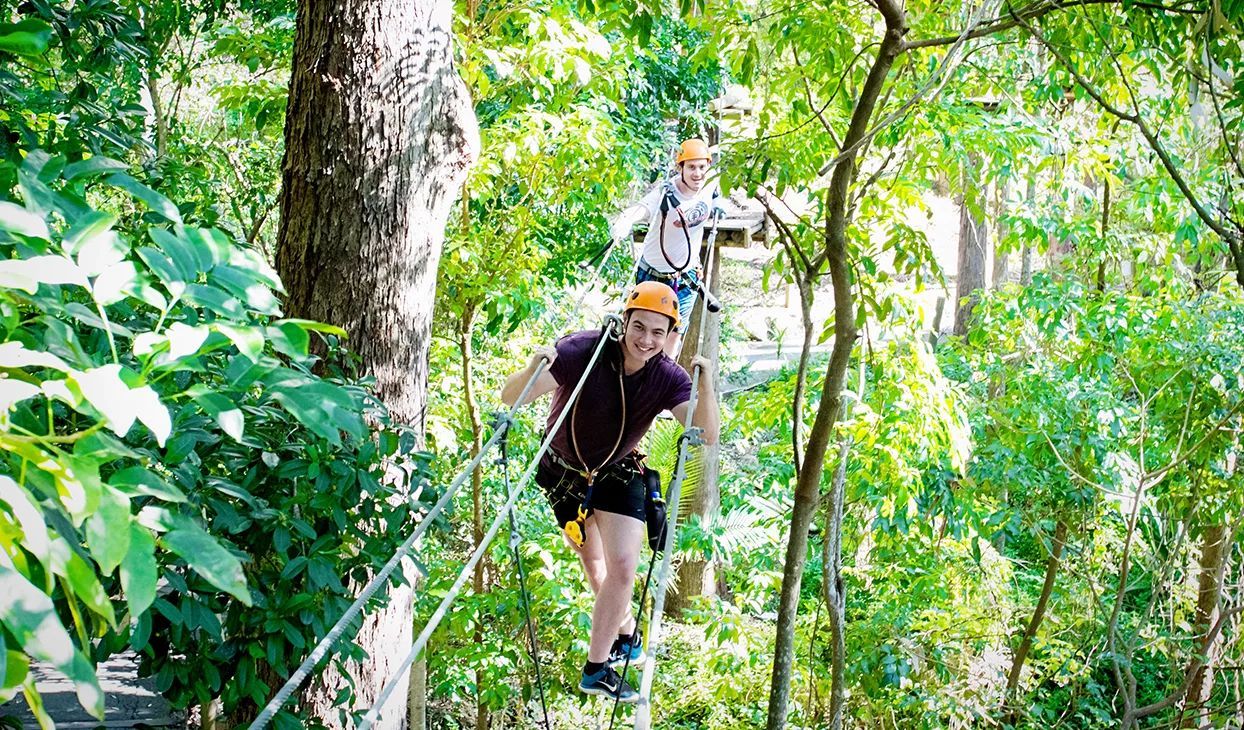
{"x":683,"y":285}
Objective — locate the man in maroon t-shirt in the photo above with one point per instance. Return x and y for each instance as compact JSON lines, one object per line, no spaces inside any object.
{"x":632,"y":382}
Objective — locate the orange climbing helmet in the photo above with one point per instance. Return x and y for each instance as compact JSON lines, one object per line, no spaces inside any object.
{"x":693,"y":149}
{"x":653,"y":296}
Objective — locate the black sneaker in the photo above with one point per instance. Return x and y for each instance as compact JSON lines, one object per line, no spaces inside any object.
{"x":630,"y":647}
{"x":607,"y":683}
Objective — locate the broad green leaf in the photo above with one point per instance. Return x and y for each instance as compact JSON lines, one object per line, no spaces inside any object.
{"x":108,"y":530}
{"x":15,"y":355}
{"x":83,"y":233}
{"x":208,"y":558}
{"x":256,"y":295}
{"x":35,"y":537}
{"x":81,"y":577}
{"x":179,"y":252}
{"x":136,"y":481}
{"x":29,"y":616}
{"x":226,"y":413}
{"x":216,"y":300}
{"x":184,"y":340}
{"x":120,"y":405}
{"x":139,"y":570}
{"x":16,"y":668}
{"x":115,"y":283}
{"x":164,"y":269}
{"x":27,"y":274}
{"x":289,"y":338}
{"x":16,"y":219}
{"x":312,"y":325}
{"x":28,"y":37}
{"x":92,"y":166}
{"x":155,"y":201}
{"x":306,"y":408}
{"x":249,"y":340}
{"x":210,"y":246}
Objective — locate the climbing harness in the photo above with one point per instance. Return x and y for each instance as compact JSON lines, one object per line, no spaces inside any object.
{"x":576,"y":529}
{"x":515,"y":539}
{"x":421,"y":641}
{"x":682,"y":274}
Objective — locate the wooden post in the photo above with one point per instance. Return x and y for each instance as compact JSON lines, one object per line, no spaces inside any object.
{"x":697,"y":577}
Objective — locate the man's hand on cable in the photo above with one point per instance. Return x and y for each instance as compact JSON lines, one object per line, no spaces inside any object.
{"x":620,"y":229}
{"x":706,"y":369}
{"x":540,"y":355}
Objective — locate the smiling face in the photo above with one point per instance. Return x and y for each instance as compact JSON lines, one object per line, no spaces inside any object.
{"x":644,"y":336}
{"x":694,"y":173}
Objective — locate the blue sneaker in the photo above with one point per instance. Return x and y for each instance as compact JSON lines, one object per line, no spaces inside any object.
{"x":630,"y":647}
{"x":607,"y":683}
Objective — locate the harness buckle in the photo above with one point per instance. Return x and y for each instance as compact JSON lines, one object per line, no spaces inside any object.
{"x":576,"y":529}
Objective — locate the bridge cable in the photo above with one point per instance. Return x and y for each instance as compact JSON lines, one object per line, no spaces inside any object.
{"x":610,"y":329}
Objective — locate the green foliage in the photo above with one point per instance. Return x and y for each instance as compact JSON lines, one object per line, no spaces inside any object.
{"x":66,"y":83}
{"x":177,"y":478}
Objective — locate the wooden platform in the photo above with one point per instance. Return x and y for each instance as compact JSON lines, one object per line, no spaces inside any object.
{"x":738,"y":230}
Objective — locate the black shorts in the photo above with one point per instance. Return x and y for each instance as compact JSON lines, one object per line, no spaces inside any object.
{"x":619,"y":489}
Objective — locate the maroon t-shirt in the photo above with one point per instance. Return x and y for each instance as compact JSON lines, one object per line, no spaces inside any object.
{"x":661,"y":384}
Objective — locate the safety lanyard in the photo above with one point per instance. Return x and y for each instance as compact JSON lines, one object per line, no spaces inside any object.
{"x":686,"y":232}
{"x":576,"y":529}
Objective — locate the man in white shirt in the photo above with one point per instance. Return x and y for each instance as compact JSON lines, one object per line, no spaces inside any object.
{"x":676,"y":210}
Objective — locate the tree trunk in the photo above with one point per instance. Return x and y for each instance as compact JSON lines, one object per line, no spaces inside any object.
{"x":973,"y":242}
{"x":467,"y":352}
{"x":1038,"y":615}
{"x":379,"y":134}
{"x":1025,"y":270}
{"x":1214,"y":550}
{"x":698,"y":577}
{"x":808,"y":484}
{"x":419,"y":694}
{"x":1105,"y":230}
{"x":1001,"y":252}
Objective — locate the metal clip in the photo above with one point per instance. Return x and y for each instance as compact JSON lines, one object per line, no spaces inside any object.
{"x":694,"y":436}
{"x":613,"y":326}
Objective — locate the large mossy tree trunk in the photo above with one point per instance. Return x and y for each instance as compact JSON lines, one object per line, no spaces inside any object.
{"x":379,"y":134}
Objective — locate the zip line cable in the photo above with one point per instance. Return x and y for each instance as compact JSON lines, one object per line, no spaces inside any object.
{"x":334,"y":634}
{"x":515,"y":539}
{"x":612,"y":325}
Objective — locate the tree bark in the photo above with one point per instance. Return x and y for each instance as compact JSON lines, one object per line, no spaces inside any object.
{"x":1214,"y":550}
{"x":808,"y":484}
{"x":379,"y":135}
{"x":973,"y":242}
{"x":1001,"y":256}
{"x":1038,"y":615}
{"x":698,"y":577}
{"x":1025,"y":270}
{"x":467,"y":351}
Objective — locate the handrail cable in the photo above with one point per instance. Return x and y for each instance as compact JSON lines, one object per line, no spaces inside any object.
{"x":515,"y":540}
{"x":690,"y":436}
{"x":321,"y":649}
{"x":611,"y":323}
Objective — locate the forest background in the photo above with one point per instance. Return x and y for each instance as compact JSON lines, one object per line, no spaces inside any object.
{"x":1027,"y":522}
